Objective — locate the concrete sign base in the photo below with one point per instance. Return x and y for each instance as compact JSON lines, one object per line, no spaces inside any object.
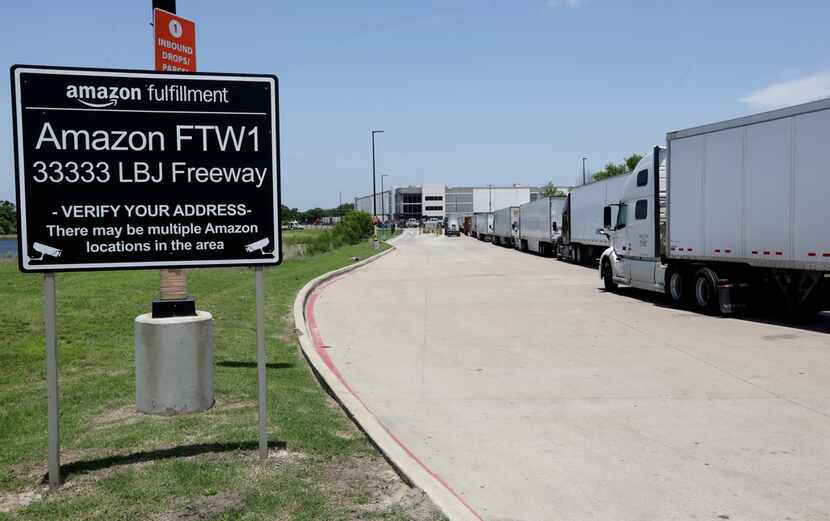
{"x":174,"y":364}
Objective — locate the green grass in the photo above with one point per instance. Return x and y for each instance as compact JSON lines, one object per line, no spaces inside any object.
{"x":290,"y":237}
{"x":122,"y":465}
{"x":384,"y":234}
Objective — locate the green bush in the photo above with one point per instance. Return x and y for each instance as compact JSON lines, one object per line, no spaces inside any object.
{"x":354,"y":227}
{"x":320,"y":243}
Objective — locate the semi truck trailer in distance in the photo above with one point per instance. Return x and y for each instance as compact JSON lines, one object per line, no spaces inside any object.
{"x":540,"y":225}
{"x":728,"y":213}
{"x":467,"y":225}
{"x":506,"y":226}
{"x":452,"y":227}
{"x":483,"y":225}
{"x":583,"y":215}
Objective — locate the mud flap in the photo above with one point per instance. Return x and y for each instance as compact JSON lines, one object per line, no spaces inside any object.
{"x":732,"y":296}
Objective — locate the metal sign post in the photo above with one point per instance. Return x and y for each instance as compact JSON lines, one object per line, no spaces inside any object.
{"x":261,"y":362}
{"x":49,"y":315}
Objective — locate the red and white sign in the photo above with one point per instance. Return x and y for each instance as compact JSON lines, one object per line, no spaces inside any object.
{"x":175,"y":42}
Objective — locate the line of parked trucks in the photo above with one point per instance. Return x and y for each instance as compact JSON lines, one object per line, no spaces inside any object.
{"x":720,"y":216}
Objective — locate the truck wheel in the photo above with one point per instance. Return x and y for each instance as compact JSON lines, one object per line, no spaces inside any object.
{"x":578,"y":255}
{"x":676,"y":288}
{"x":706,"y":291}
{"x":608,"y":277}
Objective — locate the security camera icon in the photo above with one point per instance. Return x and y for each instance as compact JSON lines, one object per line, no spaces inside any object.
{"x":45,"y":250}
{"x":259,"y":245}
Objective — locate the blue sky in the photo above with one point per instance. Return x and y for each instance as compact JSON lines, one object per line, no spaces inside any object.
{"x":468,"y":92}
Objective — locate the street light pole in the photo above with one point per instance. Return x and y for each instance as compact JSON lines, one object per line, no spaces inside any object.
{"x":374,"y":185}
{"x":382,"y":203}
{"x":583,"y":169}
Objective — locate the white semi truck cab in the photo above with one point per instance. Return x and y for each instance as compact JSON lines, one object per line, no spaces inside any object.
{"x":729,"y":213}
{"x":634,"y":257}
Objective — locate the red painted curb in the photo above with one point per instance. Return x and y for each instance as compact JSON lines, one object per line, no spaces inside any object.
{"x":317,"y":340}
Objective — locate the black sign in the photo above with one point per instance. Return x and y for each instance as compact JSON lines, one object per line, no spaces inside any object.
{"x":129,"y":169}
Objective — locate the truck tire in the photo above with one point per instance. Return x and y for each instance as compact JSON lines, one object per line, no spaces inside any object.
{"x":705,"y":291}
{"x":608,"y":277}
{"x":578,"y":255}
{"x":676,"y":287}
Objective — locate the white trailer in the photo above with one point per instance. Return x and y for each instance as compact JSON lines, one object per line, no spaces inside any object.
{"x":452,"y":228}
{"x":583,"y":215}
{"x":506,"y":226}
{"x":743,"y":213}
{"x":540,"y":225}
{"x":490,"y":199}
{"x":483,"y":226}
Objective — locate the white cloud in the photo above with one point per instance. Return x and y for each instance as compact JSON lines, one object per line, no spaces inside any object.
{"x":571,"y":4}
{"x":793,"y":92}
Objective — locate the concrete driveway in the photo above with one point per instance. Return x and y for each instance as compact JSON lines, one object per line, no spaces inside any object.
{"x":537,"y":396}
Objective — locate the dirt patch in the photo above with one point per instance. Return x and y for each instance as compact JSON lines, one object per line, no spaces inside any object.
{"x":368,"y":485}
{"x":205,"y":507}
{"x":288,"y":333}
{"x":224,"y":404}
{"x":13,"y":501}
{"x":348,"y":435}
{"x":123,"y":415}
{"x":128,"y":414}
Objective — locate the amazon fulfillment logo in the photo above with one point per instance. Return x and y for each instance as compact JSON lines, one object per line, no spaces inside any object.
{"x":101,"y":96}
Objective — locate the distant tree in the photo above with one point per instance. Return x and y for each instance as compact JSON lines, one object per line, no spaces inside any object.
{"x":632,"y":160}
{"x":345,"y":208}
{"x":289,"y":214}
{"x":551,"y":190}
{"x":614,"y":169}
{"x":313,"y":215}
{"x":610,"y":170}
{"x":8,"y":218}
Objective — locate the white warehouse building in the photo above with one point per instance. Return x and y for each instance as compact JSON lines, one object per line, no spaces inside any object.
{"x":439,"y":201}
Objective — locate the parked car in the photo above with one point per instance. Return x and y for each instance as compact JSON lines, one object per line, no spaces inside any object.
{"x":412,"y":222}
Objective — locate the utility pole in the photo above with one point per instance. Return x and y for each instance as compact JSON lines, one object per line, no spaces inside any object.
{"x":340,"y":205}
{"x":374,"y":185}
{"x":583,"y":169}
{"x":491,"y":197}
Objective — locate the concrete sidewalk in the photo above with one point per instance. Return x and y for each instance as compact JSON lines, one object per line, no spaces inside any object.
{"x":537,"y":396}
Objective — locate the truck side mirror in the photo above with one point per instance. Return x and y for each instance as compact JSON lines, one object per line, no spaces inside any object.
{"x":606,"y":217}
{"x":554,"y":227}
